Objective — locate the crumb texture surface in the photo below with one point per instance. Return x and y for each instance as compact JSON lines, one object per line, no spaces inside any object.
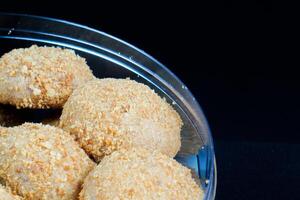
{"x":110,"y":114}
{"x":138,"y":174}
{"x":5,"y":194}
{"x":40,"y":77}
{"x":42,"y":162}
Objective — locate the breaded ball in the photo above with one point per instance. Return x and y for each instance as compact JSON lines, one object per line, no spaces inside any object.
{"x":40,"y":77}
{"x":139,"y":174}
{"x":110,"y":114}
{"x":42,"y":162}
{"x":6,"y":195}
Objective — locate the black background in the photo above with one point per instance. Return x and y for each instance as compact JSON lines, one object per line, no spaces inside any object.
{"x":236,"y":58}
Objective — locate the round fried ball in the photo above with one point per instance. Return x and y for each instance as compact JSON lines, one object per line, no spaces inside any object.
{"x":42,"y":162}
{"x":40,"y":77}
{"x":6,"y":195}
{"x":110,"y":114}
{"x":139,"y":174}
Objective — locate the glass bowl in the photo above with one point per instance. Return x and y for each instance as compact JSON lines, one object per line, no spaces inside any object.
{"x":111,"y":57}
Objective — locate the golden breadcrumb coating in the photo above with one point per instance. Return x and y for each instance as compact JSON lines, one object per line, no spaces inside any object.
{"x":40,"y":77}
{"x":5,"y":194}
{"x":42,"y":162}
{"x":110,"y":114}
{"x":138,"y":174}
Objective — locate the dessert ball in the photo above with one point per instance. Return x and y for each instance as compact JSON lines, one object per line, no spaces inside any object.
{"x":138,"y":174}
{"x":42,"y":162}
{"x":109,"y":114}
{"x":40,"y":77}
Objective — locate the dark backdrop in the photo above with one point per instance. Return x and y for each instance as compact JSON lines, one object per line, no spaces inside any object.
{"x":234,"y":56}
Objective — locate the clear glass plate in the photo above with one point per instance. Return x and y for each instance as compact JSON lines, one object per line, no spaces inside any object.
{"x":111,"y":57}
